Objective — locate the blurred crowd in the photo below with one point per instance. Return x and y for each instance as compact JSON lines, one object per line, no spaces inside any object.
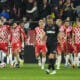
{"x":33,"y":10}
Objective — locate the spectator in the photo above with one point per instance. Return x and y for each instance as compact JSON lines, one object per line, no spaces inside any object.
{"x":68,"y":10}
{"x":15,"y":8}
{"x":2,"y":4}
{"x":56,"y":12}
{"x":76,"y":2}
{"x":78,"y":11}
{"x":53,"y":2}
{"x":30,"y":8}
{"x":5,"y":13}
{"x":44,"y":9}
{"x":26,"y":24}
{"x":60,"y":6}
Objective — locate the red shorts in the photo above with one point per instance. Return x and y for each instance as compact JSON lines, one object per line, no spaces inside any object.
{"x":16,"y":46}
{"x":68,"y":47}
{"x":40,"y":48}
{"x":4,"y":47}
{"x":77,"y":48}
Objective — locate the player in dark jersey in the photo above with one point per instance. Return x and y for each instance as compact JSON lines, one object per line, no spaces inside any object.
{"x":51,"y":31}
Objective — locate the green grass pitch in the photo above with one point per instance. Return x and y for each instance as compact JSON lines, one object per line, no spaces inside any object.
{"x":33,"y":72}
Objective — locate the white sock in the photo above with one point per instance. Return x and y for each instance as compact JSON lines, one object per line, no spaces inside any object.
{"x":76,"y":61}
{"x":7,"y":59}
{"x":43,"y":61}
{"x":58,"y":61}
{"x":39,"y":59}
{"x":10,"y":58}
{"x":79,"y":58}
{"x":67,"y":59}
{"x":71,"y":59}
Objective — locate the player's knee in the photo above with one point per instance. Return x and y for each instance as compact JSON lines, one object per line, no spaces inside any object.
{"x":59,"y":53}
{"x":44,"y":54}
{"x":37,"y":55}
{"x":51,"y":56}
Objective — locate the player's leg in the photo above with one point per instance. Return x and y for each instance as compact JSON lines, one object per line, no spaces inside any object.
{"x":16,"y":57}
{"x":51,"y":58}
{"x":67,"y":54}
{"x":52,"y":61}
{"x":3,"y":56}
{"x":43,"y":56}
{"x":0,"y":56}
{"x":70,"y":50}
{"x":72,"y":58}
{"x":16,"y":49}
{"x":59,"y":51}
{"x":71,"y":54}
{"x":9,"y":57}
{"x":4,"y":52}
{"x":76,"y":60}
{"x":79,"y":59}
{"x":21,"y":57}
{"x":37,"y":54}
{"x":67,"y":57}
{"x":79,"y":56}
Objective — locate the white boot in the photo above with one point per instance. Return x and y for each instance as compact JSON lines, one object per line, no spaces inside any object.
{"x":53,"y":72}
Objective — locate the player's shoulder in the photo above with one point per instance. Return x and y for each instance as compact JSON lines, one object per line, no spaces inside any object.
{"x":37,"y":28}
{"x":5,"y":26}
{"x":18,"y":26}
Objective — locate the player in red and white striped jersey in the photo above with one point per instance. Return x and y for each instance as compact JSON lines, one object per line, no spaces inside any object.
{"x":60,"y":39}
{"x":76,"y":38}
{"x":17,"y":41}
{"x":4,"y":36}
{"x":68,"y":47}
{"x":40,"y":46}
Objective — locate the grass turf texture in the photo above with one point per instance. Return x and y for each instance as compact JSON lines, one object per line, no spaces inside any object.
{"x":33,"y":72}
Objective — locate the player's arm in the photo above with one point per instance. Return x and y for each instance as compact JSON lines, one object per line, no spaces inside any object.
{"x":58,"y":37}
{"x":35,"y":36}
{"x":73,"y":37}
{"x":44,"y":37}
{"x":23,"y":36}
{"x":9,"y":35}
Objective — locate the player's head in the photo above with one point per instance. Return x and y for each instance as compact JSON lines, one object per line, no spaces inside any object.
{"x":67,"y":23}
{"x":49,"y":20}
{"x":59,"y":22}
{"x":1,"y":22}
{"x":14,"y":25}
{"x":41,"y":23}
{"x":3,"y":19}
